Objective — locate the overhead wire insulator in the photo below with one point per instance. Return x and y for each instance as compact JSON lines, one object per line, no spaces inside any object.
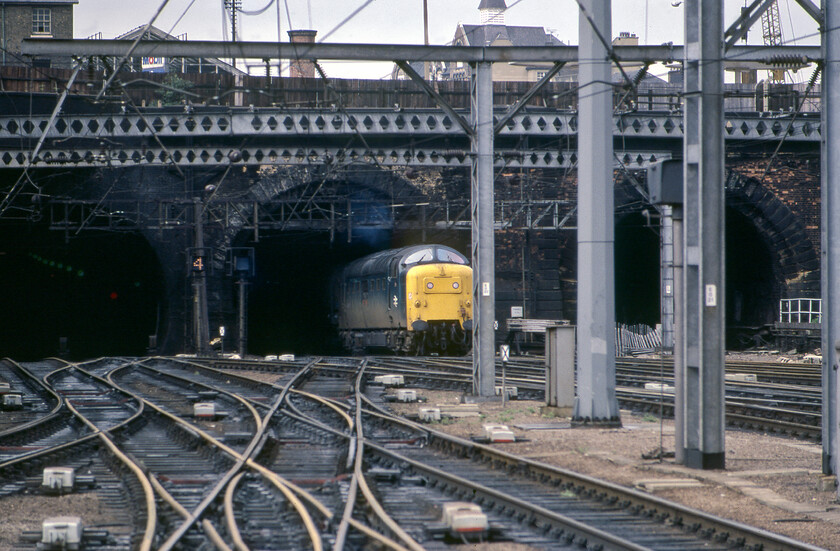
{"x":791,"y":61}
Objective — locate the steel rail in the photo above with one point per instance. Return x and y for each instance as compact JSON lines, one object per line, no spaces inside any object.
{"x":360,"y":477}
{"x":47,"y":416}
{"x":369,"y":532}
{"x":753,"y":537}
{"x":346,"y":520}
{"x":66,"y":445}
{"x":143,"y":479}
{"x":595,"y":537}
{"x":241,"y":460}
{"x":230,"y":518}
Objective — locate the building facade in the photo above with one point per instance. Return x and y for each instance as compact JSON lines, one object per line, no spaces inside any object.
{"x":20,"y":19}
{"x":494,"y":32}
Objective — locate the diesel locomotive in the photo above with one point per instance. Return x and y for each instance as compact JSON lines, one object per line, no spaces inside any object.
{"x":413,"y":300}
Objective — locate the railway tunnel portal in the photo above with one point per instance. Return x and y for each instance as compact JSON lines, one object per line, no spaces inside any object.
{"x":303,"y":223}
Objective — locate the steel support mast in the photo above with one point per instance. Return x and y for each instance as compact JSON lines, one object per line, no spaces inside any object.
{"x":702,"y":340}
{"x":830,"y":233}
{"x":596,"y":401}
{"x":483,"y":243}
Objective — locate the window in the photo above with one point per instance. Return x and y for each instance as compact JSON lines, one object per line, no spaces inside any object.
{"x":41,"y":21}
{"x":423,"y":255}
{"x":450,"y":256}
{"x":800,"y":310}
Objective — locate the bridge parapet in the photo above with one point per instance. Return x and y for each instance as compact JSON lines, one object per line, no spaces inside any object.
{"x":421,"y":137}
{"x":269,"y":122}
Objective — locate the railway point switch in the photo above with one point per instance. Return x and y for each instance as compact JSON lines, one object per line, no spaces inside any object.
{"x":204,"y":410}
{"x":5,"y":387}
{"x":463,"y":517}
{"x":58,"y":479}
{"x":660,"y":387}
{"x":429,"y":415}
{"x":389,"y":380}
{"x":12,"y":400}
{"x":498,"y":433}
{"x":741,"y":377}
{"x":406,"y":395}
{"x":62,"y":480}
{"x":61,"y":533}
{"x":511,"y":391}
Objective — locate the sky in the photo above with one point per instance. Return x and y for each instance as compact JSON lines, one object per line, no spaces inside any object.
{"x":401,"y":21}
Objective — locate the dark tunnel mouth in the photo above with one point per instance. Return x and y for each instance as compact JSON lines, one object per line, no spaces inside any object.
{"x":288,"y":300}
{"x":752,"y":281}
{"x":101,"y":293}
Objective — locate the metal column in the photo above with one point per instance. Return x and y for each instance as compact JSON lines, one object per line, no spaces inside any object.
{"x":666,"y":274}
{"x":596,"y":401}
{"x":483,"y":246}
{"x":243,"y":317}
{"x":679,"y":325}
{"x":703,"y":339}
{"x":830,"y":233}
{"x":201,"y":323}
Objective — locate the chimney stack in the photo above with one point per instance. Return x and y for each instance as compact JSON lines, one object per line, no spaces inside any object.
{"x":302,"y":67}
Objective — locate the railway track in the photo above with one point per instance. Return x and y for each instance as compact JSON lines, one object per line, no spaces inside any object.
{"x":767,"y":404}
{"x":314,"y":460}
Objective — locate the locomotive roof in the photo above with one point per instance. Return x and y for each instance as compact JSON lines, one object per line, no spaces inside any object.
{"x":379,"y":263}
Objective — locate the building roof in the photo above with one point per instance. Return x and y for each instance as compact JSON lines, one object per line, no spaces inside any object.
{"x":492,"y":5}
{"x":483,"y":35}
{"x":158,"y":34}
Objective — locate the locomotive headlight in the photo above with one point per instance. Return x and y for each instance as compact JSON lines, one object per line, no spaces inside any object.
{"x":430,"y":285}
{"x":455,"y":285}
{"x":417,"y":304}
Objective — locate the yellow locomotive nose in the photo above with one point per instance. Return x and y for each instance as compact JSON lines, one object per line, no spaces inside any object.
{"x":439,"y":293}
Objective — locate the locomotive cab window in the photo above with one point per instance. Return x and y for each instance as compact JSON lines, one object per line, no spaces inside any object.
{"x":450,"y":256}
{"x":424,"y":255}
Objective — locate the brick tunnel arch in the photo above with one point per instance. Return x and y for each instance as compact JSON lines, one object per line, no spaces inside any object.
{"x":769,"y":256}
{"x":794,"y":260}
{"x":289,"y":303}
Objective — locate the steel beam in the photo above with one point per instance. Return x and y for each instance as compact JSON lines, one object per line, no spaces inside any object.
{"x":325,"y":213}
{"x":261,"y":156}
{"x":748,"y":17}
{"x":523,"y":101}
{"x":812,"y":10}
{"x":830,"y":237}
{"x":270,"y":123}
{"x":387,"y":52}
{"x":436,"y":97}
{"x":483,"y":241}
{"x":596,"y":400}
{"x":703,"y":241}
